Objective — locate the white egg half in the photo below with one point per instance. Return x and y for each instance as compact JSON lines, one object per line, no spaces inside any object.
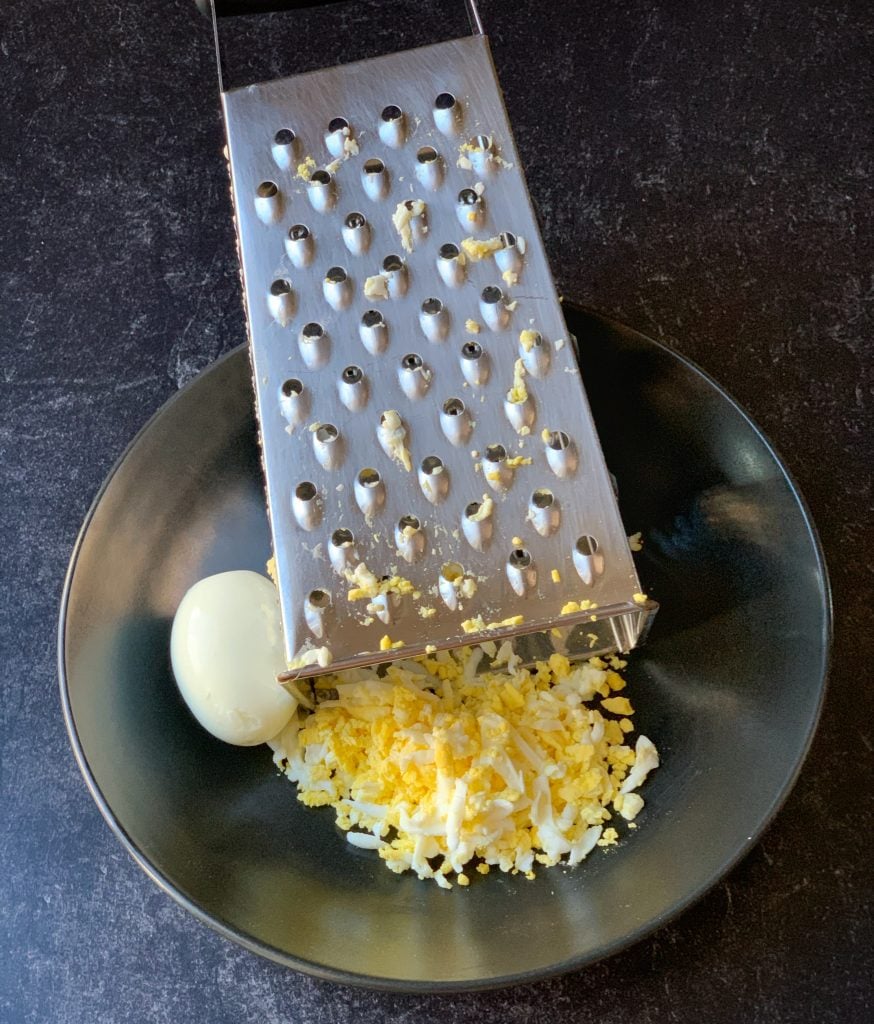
{"x":226,"y":648}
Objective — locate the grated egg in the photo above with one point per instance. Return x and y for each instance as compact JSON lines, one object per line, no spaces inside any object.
{"x":435,"y":764}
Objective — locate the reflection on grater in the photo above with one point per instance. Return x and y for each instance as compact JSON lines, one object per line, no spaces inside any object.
{"x":433,"y":474}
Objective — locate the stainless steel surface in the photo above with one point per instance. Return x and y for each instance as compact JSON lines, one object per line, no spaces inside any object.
{"x":310,"y":330}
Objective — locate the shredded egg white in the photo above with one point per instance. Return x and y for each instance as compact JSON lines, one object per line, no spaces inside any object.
{"x":442,"y":768}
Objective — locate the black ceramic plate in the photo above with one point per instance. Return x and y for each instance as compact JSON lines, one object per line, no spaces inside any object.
{"x":729,"y":687}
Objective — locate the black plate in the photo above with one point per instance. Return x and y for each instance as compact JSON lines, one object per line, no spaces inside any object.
{"x":729,"y":687}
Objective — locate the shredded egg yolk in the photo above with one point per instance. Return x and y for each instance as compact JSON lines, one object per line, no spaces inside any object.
{"x":437,"y":765}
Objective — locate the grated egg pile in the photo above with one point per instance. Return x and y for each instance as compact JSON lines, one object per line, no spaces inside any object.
{"x":442,"y":768}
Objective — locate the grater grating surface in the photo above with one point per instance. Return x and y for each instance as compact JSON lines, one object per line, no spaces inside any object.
{"x":427,"y":486}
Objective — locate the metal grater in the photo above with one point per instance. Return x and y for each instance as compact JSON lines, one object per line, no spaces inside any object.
{"x":433,"y":475}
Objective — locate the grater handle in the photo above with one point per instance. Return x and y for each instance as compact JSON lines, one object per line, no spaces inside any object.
{"x":232,"y":8}
{"x":215,"y":9}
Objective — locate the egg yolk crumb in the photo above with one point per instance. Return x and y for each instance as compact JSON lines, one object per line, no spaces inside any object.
{"x":444,"y":769}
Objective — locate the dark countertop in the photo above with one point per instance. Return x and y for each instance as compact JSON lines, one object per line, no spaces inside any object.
{"x":702,"y":172}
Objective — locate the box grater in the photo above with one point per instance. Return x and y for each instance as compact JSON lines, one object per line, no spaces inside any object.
{"x":433,"y":475}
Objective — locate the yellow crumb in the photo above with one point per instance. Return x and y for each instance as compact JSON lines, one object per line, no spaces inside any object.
{"x":518,"y":393}
{"x":556,"y":576}
{"x":639,"y":598}
{"x":376,"y":287}
{"x":485,"y":509}
{"x":305,"y":168}
{"x":320,"y":656}
{"x":608,"y":837}
{"x":366,"y":584}
{"x":478,"y":625}
{"x":404,"y":213}
{"x":618,"y":706}
{"x":527,"y":340}
{"x":480,"y":248}
{"x":394,"y":434}
{"x":387,"y":644}
{"x":578,"y":606}
{"x":471,"y":326}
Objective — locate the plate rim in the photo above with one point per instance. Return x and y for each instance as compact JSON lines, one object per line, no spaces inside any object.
{"x":402,"y":985}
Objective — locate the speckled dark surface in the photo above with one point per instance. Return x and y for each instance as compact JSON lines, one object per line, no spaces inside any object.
{"x":702,"y":172}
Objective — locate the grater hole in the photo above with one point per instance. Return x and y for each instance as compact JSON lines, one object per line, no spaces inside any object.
{"x":392,"y":263}
{"x":543,"y":498}
{"x":280,"y":287}
{"x":432,"y":465}
{"x":292,"y":387}
{"x":319,"y":599}
{"x":372,"y":318}
{"x":336,"y":275}
{"x":374,"y":166}
{"x":412,"y":361}
{"x":558,"y":440}
{"x":369,"y":477}
{"x":327,"y":433}
{"x":391,"y":113}
{"x":427,"y":155}
{"x":445,"y":101}
{"x":471,"y":350}
{"x":472,"y":509}
{"x":337,"y":124}
{"x":312,"y":331}
{"x":491,"y":295}
{"x":342,"y":538}
{"x":586,"y":545}
{"x":453,"y":407}
{"x":508,"y":239}
{"x":320,"y":177}
{"x":495,"y":453}
{"x":432,"y":307}
{"x":452,"y":571}
{"x":305,"y":491}
{"x":298,"y":232}
{"x":520,"y":558}
{"x":352,"y":374}
{"x":481,"y":142}
{"x":468,"y":197}
{"x":284,"y":137}
{"x":355,"y":220}
{"x":267,"y":189}
{"x":449,"y":251}
{"x":410,"y":521}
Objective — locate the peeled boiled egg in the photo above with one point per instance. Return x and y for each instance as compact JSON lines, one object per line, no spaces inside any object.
{"x":226,"y":648}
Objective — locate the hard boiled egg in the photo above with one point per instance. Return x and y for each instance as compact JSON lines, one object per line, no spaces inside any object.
{"x":226,"y":648}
